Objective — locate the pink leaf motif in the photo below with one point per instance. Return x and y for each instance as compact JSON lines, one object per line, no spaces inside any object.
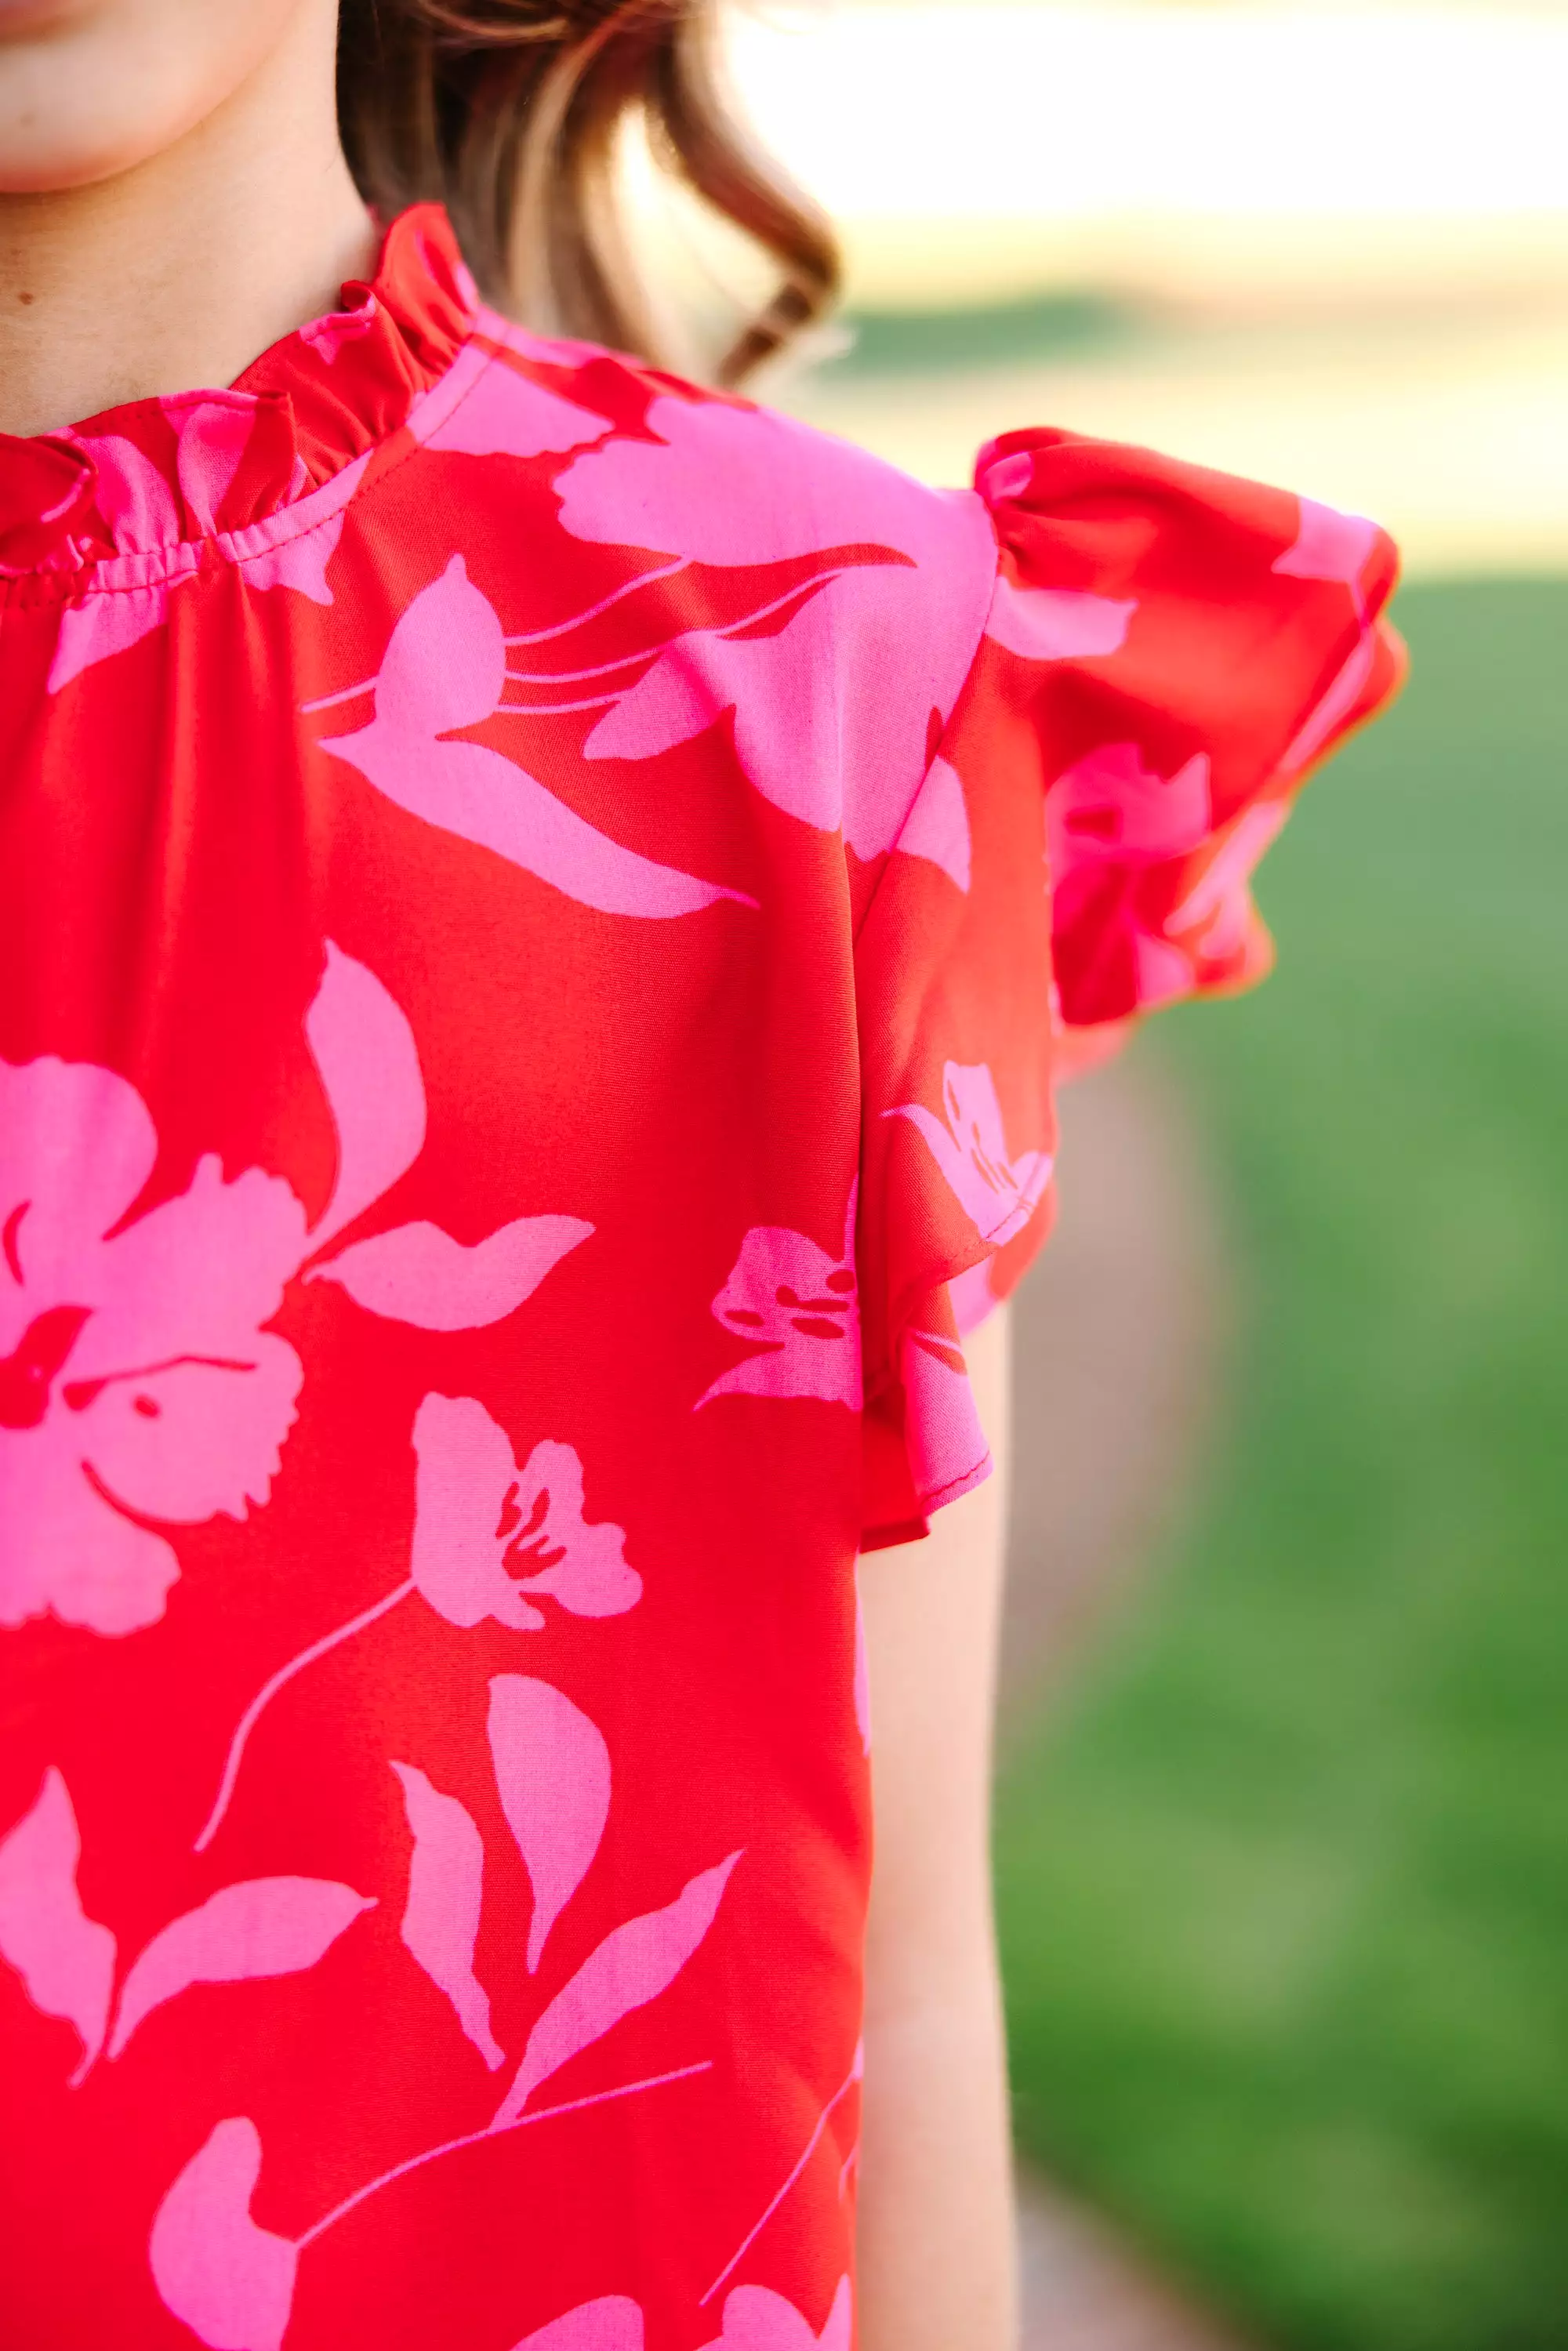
{"x":364,"y":1052}
{"x":1058,"y":623}
{"x":758,"y":2319}
{"x":613,"y":2325}
{"x":65,"y":1959}
{"x":633,"y":1965}
{"x":446,"y":661}
{"x":419,"y":1274}
{"x":999,"y":1195}
{"x":106,"y":621}
{"x":445,"y":1889}
{"x":230,"y":2282}
{"x":789,"y":735}
{"x":298,"y":561}
{"x":263,"y":1927}
{"x":938,"y":826}
{"x":508,"y":414}
{"x":443,"y":669}
{"x":552,"y":1772}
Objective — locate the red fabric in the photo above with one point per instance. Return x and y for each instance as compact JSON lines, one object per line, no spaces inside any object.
{"x":540,"y":911}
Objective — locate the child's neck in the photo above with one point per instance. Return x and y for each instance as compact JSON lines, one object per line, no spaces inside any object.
{"x":173,"y":276}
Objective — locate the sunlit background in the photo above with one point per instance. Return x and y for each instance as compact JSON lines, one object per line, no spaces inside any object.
{"x":1283,"y":1832}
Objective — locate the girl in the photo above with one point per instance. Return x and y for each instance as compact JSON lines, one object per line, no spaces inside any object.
{"x":539,"y":910}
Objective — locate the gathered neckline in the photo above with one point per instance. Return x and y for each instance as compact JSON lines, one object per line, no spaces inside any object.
{"x":151,"y":477}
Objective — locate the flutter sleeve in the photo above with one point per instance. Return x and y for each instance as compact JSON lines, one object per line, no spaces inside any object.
{"x":1169,"y":653}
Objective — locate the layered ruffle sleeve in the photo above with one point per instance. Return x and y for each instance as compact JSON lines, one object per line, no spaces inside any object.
{"x":1168,"y":655}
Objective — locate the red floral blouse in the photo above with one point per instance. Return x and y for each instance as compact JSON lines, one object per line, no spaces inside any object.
{"x":539,"y":909}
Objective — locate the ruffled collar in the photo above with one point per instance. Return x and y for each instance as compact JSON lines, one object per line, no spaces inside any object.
{"x":155,"y":474}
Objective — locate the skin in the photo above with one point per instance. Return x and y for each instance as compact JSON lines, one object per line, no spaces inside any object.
{"x":174,"y":198}
{"x":173,"y":195}
{"x":937,"y":2255}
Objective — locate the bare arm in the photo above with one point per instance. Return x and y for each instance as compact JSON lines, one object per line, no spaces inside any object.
{"x":936,"y":2250}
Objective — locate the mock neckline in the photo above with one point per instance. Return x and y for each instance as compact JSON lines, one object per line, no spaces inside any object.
{"x":159,"y":472}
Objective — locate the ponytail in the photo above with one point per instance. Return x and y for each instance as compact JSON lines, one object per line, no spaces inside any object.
{"x":510,"y":111}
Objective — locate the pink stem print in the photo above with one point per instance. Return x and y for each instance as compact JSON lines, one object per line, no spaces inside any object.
{"x":332,"y":701}
{"x":809,"y":2149}
{"x":617,"y":596}
{"x":494,"y":2130}
{"x":269,"y":1690}
{"x":575,"y":676}
{"x":553,"y":709}
{"x":537,"y":637}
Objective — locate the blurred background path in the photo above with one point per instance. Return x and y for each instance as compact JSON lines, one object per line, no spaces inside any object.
{"x":1117,"y":1339}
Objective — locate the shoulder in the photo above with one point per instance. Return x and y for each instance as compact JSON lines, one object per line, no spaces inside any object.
{"x":830,"y":604}
{"x":680,"y":468}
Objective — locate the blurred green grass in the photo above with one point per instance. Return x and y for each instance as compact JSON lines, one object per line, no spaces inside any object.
{"x":1283,"y":1879}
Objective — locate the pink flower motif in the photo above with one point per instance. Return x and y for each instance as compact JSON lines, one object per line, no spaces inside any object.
{"x":487,"y":1534}
{"x":999,"y":1193}
{"x":1110,"y":821}
{"x":444,"y":670}
{"x":1110,"y":809}
{"x":832,"y":702}
{"x":787,"y":1295}
{"x":136,"y":1380}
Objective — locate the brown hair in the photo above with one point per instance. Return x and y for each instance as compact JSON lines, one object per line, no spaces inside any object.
{"x":510,"y":111}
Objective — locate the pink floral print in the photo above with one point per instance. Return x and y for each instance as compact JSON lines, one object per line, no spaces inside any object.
{"x":690,"y":490}
{"x":758,"y":2319}
{"x":229,"y":2279}
{"x":65,"y":1959}
{"x":487,"y":1534}
{"x":68,"y":1961}
{"x":1111,"y":819}
{"x":612,"y":2323}
{"x":136,"y":1378}
{"x":968,"y":1143}
{"x":790,"y":1297}
{"x":444,"y":670}
{"x":445,"y":1895}
{"x":712,"y":815}
{"x":552,"y":1772}
{"x":851,"y":2083}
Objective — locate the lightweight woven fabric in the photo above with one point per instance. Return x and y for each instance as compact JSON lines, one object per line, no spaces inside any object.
{"x":541,"y":911}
